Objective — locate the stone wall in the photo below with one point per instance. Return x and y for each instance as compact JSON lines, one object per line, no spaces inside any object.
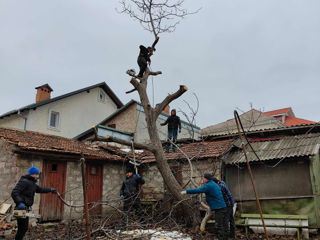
{"x":74,"y":193}
{"x":113,"y":175}
{"x":12,"y":167}
{"x":154,"y":188}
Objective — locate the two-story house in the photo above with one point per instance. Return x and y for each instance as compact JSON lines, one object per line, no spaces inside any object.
{"x":67,"y":115}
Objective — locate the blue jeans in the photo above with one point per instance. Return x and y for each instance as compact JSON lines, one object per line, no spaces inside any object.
{"x":172,"y":135}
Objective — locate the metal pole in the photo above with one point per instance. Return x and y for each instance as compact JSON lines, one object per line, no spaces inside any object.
{"x":85,"y":197}
{"x":238,"y":122}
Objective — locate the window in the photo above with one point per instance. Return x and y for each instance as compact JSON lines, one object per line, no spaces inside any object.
{"x":54,"y":167}
{"x":101,"y":96}
{"x":54,"y":119}
{"x":93,"y":170}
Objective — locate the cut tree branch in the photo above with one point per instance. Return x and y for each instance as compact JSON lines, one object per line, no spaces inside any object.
{"x":109,"y":138}
{"x":159,"y":108}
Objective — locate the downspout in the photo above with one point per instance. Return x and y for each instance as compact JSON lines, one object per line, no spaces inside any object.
{"x":24,"y":118}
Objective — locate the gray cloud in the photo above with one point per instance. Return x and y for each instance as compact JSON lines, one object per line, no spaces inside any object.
{"x":230,"y":54}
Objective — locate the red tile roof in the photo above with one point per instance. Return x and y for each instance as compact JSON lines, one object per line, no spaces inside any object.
{"x":34,"y":141}
{"x":197,"y":150}
{"x":278,"y":111}
{"x":292,"y":121}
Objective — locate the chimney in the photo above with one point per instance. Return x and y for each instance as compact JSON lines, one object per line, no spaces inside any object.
{"x":166,"y":110}
{"x":43,"y":93}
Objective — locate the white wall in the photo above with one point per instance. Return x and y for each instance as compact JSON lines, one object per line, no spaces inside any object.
{"x":77,"y":114}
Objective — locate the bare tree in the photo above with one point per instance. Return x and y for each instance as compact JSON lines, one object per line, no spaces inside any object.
{"x":158,"y":16}
{"x":191,"y":117}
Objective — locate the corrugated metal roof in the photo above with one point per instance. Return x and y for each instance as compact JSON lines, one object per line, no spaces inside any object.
{"x":284,"y":147}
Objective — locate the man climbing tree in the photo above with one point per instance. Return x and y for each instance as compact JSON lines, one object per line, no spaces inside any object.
{"x":143,"y":59}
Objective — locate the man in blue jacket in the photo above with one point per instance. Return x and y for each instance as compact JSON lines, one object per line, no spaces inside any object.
{"x":23,"y":196}
{"x":216,"y":202}
{"x":228,"y":198}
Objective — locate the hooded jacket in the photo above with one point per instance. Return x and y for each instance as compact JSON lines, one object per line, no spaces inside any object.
{"x":173,"y":122}
{"x":130,"y":186}
{"x":25,"y":189}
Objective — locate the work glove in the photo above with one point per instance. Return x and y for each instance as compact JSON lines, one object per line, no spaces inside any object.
{"x":138,"y":175}
{"x":53,"y":190}
{"x":179,"y":130}
{"x":121,"y":197}
{"x":183,"y":192}
{"x":21,"y":206}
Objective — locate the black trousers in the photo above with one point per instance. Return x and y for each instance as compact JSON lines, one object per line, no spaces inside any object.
{"x":221,"y":223}
{"x":230,"y":222}
{"x":22,"y":228}
{"x":142,"y":62}
{"x":131,"y":209}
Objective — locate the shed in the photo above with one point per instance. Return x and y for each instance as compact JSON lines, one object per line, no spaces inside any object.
{"x":287,"y":175}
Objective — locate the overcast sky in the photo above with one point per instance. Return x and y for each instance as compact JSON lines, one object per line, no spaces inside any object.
{"x":231,"y":54}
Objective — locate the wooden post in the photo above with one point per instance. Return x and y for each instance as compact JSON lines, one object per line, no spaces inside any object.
{"x":238,"y":122}
{"x":85,"y":197}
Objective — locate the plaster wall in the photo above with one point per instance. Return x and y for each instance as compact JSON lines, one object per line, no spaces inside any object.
{"x":77,"y":114}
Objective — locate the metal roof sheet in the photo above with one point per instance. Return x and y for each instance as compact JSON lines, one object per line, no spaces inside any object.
{"x":284,"y":147}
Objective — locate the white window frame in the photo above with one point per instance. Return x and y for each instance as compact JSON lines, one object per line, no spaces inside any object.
{"x":101,"y":92}
{"x":57,"y":127}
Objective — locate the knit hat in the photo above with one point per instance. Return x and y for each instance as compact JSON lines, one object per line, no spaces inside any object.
{"x":208,"y":176}
{"x":33,"y":170}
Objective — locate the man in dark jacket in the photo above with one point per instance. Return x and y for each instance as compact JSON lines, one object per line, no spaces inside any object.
{"x":174,"y":124}
{"x":144,"y":59}
{"x":129,"y":192}
{"x":23,"y":196}
{"x":216,"y":202}
{"x":228,"y":198}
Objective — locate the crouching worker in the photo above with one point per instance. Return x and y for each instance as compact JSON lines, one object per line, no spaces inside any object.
{"x":129,"y":192}
{"x":216,"y":202}
{"x":23,"y":196}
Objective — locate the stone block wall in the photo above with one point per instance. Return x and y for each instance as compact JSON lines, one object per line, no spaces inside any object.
{"x":113,"y":175}
{"x":12,"y":167}
{"x":74,"y":193}
{"x":154,"y":186}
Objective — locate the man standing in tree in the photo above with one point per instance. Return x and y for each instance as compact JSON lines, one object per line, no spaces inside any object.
{"x":228,"y":198}
{"x":174,"y":123}
{"x":23,"y":196}
{"x":129,"y":192}
{"x":216,"y":202}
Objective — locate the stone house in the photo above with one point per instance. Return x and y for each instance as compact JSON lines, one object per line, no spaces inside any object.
{"x":57,"y":116}
{"x":58,"y":160}
{"x":129,"y":122}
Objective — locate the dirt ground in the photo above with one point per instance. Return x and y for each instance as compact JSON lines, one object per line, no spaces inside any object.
{"x":76,"y":231}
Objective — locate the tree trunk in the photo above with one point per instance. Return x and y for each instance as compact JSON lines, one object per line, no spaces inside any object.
{"x":192,"y":216}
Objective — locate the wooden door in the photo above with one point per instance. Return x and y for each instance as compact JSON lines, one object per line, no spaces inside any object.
{"x":53,"y":176}
{"x":94,"y":189}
